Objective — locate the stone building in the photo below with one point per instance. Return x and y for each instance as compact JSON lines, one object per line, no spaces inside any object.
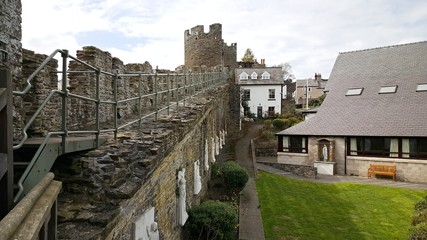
{"x":374,"y":113}
{"x":208,"y":49}
{"x":307,"y":89}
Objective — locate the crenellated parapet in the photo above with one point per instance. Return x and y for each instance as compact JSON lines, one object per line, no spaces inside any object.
{"x":208,"y":49}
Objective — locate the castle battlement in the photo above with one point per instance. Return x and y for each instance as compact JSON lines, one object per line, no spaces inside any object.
{"x":208,"y":49}
{"x":198,"y":32}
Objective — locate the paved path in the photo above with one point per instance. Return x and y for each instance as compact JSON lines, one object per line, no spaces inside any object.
{"x":250,"y":221}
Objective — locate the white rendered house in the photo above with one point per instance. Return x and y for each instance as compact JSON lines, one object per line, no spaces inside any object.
{"x":261,"y":89}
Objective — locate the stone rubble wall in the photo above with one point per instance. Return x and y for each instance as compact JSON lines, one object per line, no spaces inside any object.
{"x":300,"y":170}
{"x":106,"y":190}
{"x":47,"y":80}
{"x":208,"y":49}
{"x":10,"y":41}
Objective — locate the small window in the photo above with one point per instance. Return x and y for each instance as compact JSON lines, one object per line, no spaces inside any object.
{"x":265,"y":75}
{"x":243,"y":76}
{"x":422,"y":87}
{"x":354,"y":91}
{"x":271,"y":111}
{"x":271,"y":93}
{"x":254,"y":75}
{"x":388,"y":89}
{"x":246,"y":95}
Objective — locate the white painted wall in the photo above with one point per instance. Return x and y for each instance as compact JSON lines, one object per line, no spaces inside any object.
{"x":259,"y":97}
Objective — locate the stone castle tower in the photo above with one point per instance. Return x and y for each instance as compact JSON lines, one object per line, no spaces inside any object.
{"x":208,"y":49}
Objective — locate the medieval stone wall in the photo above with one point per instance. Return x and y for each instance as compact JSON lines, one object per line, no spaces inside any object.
{"x":208,"y":49}
{"x":10,"y":41}
{"x":43,"y":84}
{"x":108,"y":189}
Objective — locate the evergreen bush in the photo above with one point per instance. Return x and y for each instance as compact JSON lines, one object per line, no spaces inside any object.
{"x":279,"y":123}
{"x":422,"y":205}
{"x":419,"y":221}
{"x":235,"y":176}
{"x":212,"y":220}
{"x":267,"y":124}
{"x":419,"y":217}
{"x":419,"y":232}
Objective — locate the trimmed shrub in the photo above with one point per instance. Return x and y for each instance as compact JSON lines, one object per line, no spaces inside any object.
{"x":293,"y":121}
{"x":419,"y":232}
{"x":279,"y":123}
{"x":235,"y":176}
{"x":212,"y":220}
{"x":267,"y":124}
{"x":422,"y":205}
{"x":419,"y":217}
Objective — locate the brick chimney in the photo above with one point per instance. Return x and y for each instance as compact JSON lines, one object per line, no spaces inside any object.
{"x":317,"y":76}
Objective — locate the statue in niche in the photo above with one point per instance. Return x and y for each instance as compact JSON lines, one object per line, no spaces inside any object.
{"x":197,"y":178}
{"x":153,"y":231}
{"x":213,"y":147}
{"x":325,"y":152}
{"x":217,"y":144}
{"x":206,"y":155}
{"x":182,"y":210}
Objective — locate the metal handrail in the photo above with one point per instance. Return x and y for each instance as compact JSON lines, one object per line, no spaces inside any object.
{"x":175,"y":83}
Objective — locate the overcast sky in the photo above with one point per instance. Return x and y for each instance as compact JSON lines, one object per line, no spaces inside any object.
{"x":307,"y":34}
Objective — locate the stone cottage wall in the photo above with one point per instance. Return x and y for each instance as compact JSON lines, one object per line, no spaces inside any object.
{"x":108,"y":189}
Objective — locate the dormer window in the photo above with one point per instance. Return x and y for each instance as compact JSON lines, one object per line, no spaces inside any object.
{"x":243,"y":76}
{"x":265,"y":75}
{"x":254,"y":75}
{"x":354,"y":91}
{"x":422,"y":87}
{"x":388,"y":89}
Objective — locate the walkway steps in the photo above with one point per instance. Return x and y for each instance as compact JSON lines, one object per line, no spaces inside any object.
{"x":31,"y":172}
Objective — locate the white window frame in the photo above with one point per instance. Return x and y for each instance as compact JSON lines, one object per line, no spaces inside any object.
{"x":265,"y":75}
{"x":422,"y":87}
{"x":272,"y":92}
{"x":388,"y":89}
{"x":243,"y":76}
{"x":354,"y":91}
{"x":254,"y":76}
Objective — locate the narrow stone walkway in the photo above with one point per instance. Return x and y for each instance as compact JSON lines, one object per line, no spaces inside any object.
{"x":250,"y":221}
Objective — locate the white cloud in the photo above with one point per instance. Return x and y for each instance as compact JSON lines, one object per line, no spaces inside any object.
{"x":307,"y":34}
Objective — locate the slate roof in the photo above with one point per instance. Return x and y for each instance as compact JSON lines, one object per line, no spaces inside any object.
{"x":403,"y":113}
{"x":275,"y":76}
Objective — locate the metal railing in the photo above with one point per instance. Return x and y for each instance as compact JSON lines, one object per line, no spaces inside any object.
{"x":168,"y":91}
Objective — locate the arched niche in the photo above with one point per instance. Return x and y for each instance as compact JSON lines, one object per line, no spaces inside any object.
{"x":325,"y":150}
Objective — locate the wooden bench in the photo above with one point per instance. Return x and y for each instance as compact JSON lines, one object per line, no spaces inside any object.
{"x":382,"y":170}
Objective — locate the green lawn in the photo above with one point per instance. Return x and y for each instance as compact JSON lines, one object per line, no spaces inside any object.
{"x":293,"y":209}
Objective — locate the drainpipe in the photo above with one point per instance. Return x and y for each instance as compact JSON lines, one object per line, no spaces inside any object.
{"x":306,"y":96}
{"x":345,"y":155}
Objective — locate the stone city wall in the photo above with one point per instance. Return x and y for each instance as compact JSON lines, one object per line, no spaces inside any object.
{"x":108,"y":190}
{"x":42,"y":86}
{"x":10,"y":41}
{"x":208,"y":49}
{"x":81,"y":113}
